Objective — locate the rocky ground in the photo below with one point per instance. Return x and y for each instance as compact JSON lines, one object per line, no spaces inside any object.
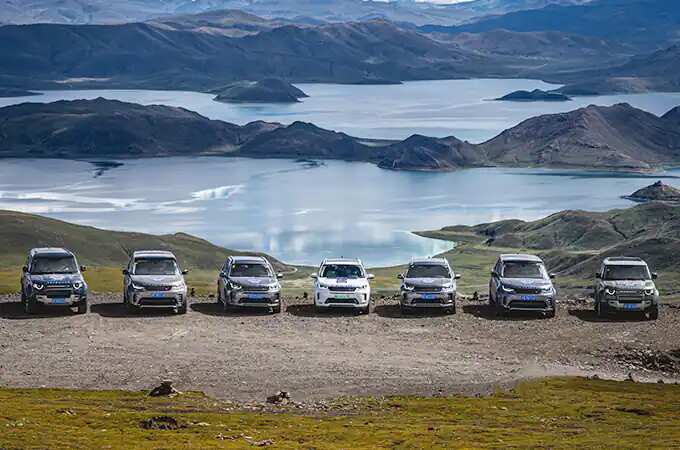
{"x":247,"y":355}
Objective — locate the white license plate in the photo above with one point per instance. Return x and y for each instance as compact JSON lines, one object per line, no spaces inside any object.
{"x":343,"y":297}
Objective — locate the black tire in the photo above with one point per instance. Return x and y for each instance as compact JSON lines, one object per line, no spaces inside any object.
{"x":451,"y":310}
{"x":491,"y":299}
{"x":366,"y":310}
{"x":550,"y":314}
{"x":276,"y":309}
{"x":129,"y":307}
{"x":405,"y":310}
{"x":30,"y":305}
{"x":601,"y":309}
{"x":82,"y":307}
{"x":500,"y":311}
{"x":654,"y":313}
{"x":317,"y":309}
{"x":183,"y":308}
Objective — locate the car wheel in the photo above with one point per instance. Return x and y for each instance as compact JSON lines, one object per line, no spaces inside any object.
{"x":366,"y":310}
{"x":550,"y":314}
{"x":82,"y":307}
{"x":491,"y":299}
{"x":405,"y":310}
{"x":276,"y":309}
{"x":183,"y":307}
{"x":654,"y":313}
{"x":602,"y":310}
{"x":317,"y":309}
{"x":30,"y":305}
{"x":451,"y":310}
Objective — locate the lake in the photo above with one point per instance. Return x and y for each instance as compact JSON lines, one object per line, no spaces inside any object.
{"x":302,"y":212}
{"x":434,"y":108}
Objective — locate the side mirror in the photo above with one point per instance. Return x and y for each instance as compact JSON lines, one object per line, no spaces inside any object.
{"x":185,"y":271}
{"x":223,"y":274}
{"x":400,"y":276}
{"x":83,"y":268}
{"x":552,"y":275}
{"x":457,"y":276}
{"x":126,"y":272}
{"x":370,"y":276}
{"x":25,"y":269}
{"x":315,"y":276}
{"x":279,"y":275}
{"x":598,"y":275}
{"x":655,"y":275}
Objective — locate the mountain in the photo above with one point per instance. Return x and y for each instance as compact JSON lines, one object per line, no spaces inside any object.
{"x":658,"y":191}
{"x":537,"y":95}
{"x":19,"y":232}
{"x":645,"y":24}
{"x":120,"y":11}
{"x":575,"y":242}
{"x":426,"y":153}
{"x":90,"y":128}
{"x":269,"y":90}
{"x":619,"y":136}
{"x":148,"y":56}
{"x":13,"y":92}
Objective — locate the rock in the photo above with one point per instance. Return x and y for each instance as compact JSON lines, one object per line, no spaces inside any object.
{"x":280,"y":397}
{"x":161,"y":423}
{"x":263,"y":443}
{"x":658,"y":191}
{"x":164,"y":389}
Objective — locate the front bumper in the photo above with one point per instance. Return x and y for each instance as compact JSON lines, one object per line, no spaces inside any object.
{"x":255,"y":299}
{"x":72,"y":299}
{"x":326,"y":298}
{"x":523,"y":302}
{"x":441,"y":299}
{"x":644,"y":304}
{"x":158,"y":299}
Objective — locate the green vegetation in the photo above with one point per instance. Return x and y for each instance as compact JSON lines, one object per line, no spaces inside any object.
{"x":554,"y":413}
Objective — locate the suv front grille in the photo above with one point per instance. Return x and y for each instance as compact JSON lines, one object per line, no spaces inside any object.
{"x":341,"y":300}
{"x":528,"y":290}
{"x":156,"y":287}
{"x":256,"y":288}
{"x":427,"y":288}
{"x":58,"y":293}
{"x":342,"y":288}
{"x":630,"y":296}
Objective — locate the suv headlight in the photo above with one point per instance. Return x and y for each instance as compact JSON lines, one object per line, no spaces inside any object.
{"x":547,"y":290}
{"x":77,"y":284}
{"x":610,"y":291}
{"x":508,"y":290}
{"x":38,"y":286}
{"x":235,"y":286}
{"x":448,"y":286}
{"x":407,"y":287}
{"x":273,"y":287}
{"x":322,"y":285}
{"x":136,"y":287}
{"x":649,"y":292}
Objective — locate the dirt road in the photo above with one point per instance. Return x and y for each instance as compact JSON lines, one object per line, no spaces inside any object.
{"x":249,"y":355}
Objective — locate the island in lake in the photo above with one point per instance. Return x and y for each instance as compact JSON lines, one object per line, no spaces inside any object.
{"x":658,"y":191}
{"x":269,"y":90}
{"x":537,"y":95}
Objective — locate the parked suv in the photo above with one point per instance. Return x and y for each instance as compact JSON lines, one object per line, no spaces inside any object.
{"x":428,"y":283}
{"x":249,"y":281}
{"x":153,"y":279}
{"x":343,"y":283}
{"x":626,"y":284}
{"x":521,"y":283}
{"x":52,"y":276}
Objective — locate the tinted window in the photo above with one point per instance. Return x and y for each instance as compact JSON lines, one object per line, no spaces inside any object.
{"x":54,"y":264}
{"x":428,"y":271}
{"x":626,"y":273}
{"x":155,"y":266}
{"x":523,"y":269}
{"x":250,"y":270}
{"x":342,"y":271}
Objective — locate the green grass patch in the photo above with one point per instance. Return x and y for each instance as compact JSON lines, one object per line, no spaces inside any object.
{"x":548,"y":413}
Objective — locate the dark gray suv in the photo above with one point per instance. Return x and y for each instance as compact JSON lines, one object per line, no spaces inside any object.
{"x":428,"y":283}
{"x":249,"y":281}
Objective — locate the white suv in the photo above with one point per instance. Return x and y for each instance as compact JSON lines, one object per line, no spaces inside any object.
{"x":342,"y":283}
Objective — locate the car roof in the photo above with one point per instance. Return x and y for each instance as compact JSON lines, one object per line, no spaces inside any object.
{"x":624,"y":261}
{"x":341,"y":260}
{"x":153,"y":254}
{"x":51,"y":251}
{"x":249,"y":259}
{"x":519,"y":257}
{"x":429,"y":261}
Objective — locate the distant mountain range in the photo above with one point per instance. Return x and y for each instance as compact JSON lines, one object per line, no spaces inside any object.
{"x":617,"y":137}
{"x":125,"y":11}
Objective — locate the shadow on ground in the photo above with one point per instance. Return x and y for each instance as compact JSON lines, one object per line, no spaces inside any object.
{"x":485,"y":311}
{"x":394,"y":312}
{"x":215,"y":309}
{"x":589,"y":315}
{"x":119,"y":310}
{"x":308,"y":311}
{"x":15,"y":311}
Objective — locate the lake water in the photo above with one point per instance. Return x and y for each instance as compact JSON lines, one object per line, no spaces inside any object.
{"x":435,"y":108}
{"x":300,"y":212}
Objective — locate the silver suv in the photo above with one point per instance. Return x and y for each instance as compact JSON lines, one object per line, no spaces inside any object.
{"x":626,"y":284}
{"x":428,"y":283}
{"x":249,"y":281}
{"x":521,"y":283}
{"x":153,"y":279}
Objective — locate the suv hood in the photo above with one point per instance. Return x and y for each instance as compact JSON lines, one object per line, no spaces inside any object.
{"x":526,"y":283}
{"x":254,"y":281}
{"x":57,"y":278}
{"x":629,"y":284}
{"x":156,"y":280}
{"x":350,"y":282}
{"x":428,"y":282}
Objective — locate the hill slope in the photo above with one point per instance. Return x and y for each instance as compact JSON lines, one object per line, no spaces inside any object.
{"x":20,"y":232}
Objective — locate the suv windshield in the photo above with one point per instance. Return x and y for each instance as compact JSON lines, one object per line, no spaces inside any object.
{"x":616,"y":272}
{"x":523,"y":269}
{"x":53,"y":264}
{"x":428,"y":271}
{"x":155,"y":266}
{"x":342,"y":271}
{"x":250,"y":270}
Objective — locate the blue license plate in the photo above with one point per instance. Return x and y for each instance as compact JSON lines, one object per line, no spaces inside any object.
{"x":157,"y":295}
{"x":428,"y":296}
{"x":58,"y":301}
{"x":630,"y":306}
{"x":529,"y":298}
{"x":256,"y":296}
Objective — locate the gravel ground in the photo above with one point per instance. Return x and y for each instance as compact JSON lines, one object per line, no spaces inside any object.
{"x":248,"y":355}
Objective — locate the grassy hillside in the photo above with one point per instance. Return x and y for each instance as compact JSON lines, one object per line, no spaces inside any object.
{"x":554,"y":413}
